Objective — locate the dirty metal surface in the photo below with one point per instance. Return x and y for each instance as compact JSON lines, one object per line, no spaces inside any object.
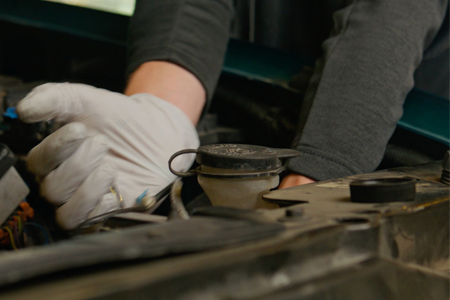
{"x":325,"y":248}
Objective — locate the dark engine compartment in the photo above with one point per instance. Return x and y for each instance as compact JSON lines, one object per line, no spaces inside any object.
{"x":318,"y":245}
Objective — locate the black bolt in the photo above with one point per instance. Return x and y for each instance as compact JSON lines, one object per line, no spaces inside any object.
{"x":294,"y":212}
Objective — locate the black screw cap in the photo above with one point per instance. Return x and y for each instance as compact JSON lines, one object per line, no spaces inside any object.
{"x":383,"y":190}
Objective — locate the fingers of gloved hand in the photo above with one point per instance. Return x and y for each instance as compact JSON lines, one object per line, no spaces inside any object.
{"x":59,"y":185}
{"x":56,"y":148}
{"x":86,"y":198}
{"x":106,"y":204}
{"x":61,"y":101}
{"x":171,"y":131}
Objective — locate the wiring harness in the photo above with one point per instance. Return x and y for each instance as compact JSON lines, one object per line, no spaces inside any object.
{"x":15,"y":232}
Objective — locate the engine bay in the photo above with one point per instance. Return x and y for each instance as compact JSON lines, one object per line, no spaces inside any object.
{"x":317,"y":241}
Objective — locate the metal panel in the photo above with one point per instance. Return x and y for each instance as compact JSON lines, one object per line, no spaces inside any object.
{"x":12,"y":191}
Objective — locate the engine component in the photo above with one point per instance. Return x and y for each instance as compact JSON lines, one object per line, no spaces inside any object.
{"x":234,"y":175}
{"x":12,"y":188}
{"x":178,"y":211}
{"x":15,"y":213}
{"x":383,"y":190}
{"x":12,"y":233}
{"x":326,"y":246}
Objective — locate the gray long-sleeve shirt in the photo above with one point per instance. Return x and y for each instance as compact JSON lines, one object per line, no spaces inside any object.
{"x":355,"y":96}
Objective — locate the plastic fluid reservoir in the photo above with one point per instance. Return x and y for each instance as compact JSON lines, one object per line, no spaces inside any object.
{"x":234,"y":175}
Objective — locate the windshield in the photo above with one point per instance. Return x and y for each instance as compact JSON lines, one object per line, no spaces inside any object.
{"x":122,"y":7}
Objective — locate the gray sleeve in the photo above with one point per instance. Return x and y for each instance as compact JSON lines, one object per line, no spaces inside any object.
{"x":191,"y":33}
{"x":356,"y":94}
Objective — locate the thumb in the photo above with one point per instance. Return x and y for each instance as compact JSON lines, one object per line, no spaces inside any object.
{"x":60,"y":101}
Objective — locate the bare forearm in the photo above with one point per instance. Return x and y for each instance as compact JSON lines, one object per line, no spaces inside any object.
{"x":172,"y":83}
{"x":294,"y":180}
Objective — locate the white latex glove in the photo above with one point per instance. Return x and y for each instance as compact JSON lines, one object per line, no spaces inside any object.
{"x":110,"y":140}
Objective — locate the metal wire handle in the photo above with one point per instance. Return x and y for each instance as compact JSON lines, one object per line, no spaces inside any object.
{"x":182,"y":174}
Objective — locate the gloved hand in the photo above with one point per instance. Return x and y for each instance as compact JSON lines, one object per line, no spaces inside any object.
{"x":109,"y":140}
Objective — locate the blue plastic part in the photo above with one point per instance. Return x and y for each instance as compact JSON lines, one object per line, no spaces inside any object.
{"x":11,"y":113}
{"x":139,"y":199}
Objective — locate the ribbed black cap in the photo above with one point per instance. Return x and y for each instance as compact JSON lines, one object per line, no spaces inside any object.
{"x":383,"y":190}
{"x":243,"y":157}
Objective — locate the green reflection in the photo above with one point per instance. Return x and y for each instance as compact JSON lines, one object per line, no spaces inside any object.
{"x":122,"y":7}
